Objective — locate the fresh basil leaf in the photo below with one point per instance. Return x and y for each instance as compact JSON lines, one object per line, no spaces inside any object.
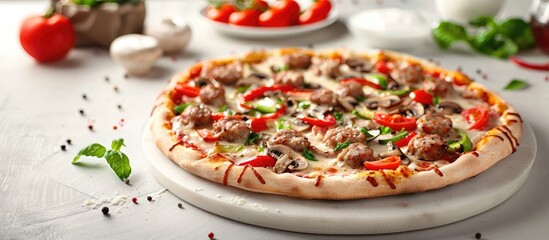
{"x":481,"y":21}
{"x":447,"y":33}
{"x":252,"y":138}
{"x":307,"y":154}
{"x":513,"y":27}
{"x":119,"y":163}
{"x":516,"y":84}
{"x":385,"y":130}
{"x":180,"y":108}
{"x":342,"y":145}
{"x":339,"y":117}
{"x":117,"y":144}
{"x":93,"y":150}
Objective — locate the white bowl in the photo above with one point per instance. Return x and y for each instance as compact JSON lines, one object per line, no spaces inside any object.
{"x":390,"y":28}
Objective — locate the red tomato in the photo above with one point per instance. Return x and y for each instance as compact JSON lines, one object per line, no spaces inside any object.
{"x":248,"y":17}
{"x":220,"y":13}
{"x":258,"y":124}
{"x":391,"y":162}
{"x":422,"y":96}
{"x":476,"y":116}
{"x":47,"y":38}
{"x":318,"y":11}
{"x":187,"y":90}
{"x":260,"y":5}
{"x":259,"y":161}
{"x":396,"y":122}
{"x":382,"y":67}
{"x":273,"y":18}
{"x":403,"y":142}
{"x":288,"y":8}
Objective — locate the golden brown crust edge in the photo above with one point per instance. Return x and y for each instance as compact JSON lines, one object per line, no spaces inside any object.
{"x":489,"y":151}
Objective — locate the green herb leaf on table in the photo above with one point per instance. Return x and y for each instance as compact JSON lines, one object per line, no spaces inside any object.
{"x":117,"y":144}
{"x":446,"y":33}
{"x":342,"y":145}
{"x":307,"y":154}
{"x":481,"y":21}
{"x":93,"y":150}
{"x":516,"y":84}
{"x":119,"y":163}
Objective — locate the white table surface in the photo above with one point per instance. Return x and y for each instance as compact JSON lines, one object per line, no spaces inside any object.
{"x":41,"y":192}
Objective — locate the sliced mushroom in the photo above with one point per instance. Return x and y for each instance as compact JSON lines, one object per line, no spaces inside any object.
{"x":413,"y":109}
{"x":450,"y":107}
{"x":395,"y":152}
{"x":299,"y":125}
{"x":382,"y":102}
{"x":347,"y":102}
{"x":286,"y":158}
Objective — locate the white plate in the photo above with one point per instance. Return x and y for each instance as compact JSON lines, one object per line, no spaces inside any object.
{"x":263,"y":32}
{"x":367,"y":216}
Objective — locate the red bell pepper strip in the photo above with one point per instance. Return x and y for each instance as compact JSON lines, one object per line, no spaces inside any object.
{"x":534,"y":66}
{"x":362,"y":82}
{"x":207,"y":135}
{"x":260,"y":91}
{"x":396,"y":122}
{"x":382,"y":67}
{"x":391,"y":162}
{"x":187,"y":90}
{"x":258,"y":124}
{"x":422,"y":96}
{"x":259,"y":161}
{"x":329,"y":120}
{"x":403,"y":142}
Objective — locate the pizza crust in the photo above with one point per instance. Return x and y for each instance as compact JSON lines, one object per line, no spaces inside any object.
{"x":493,"y":147}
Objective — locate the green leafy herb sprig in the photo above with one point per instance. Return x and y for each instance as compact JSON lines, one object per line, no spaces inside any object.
{"x":118,"y":161}
{"x":499,"y":39}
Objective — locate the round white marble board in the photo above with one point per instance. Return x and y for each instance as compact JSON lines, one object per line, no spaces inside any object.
{"x":367,"y":216}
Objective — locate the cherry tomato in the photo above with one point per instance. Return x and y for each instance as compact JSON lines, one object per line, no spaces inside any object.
{"x":362,"y":82}
{"x":329,"y":120}
{"x":422,"y":96}
{"x":47,"y":38}
{"x":248,"y":17}
{"x":391,"y":162}
{"x":258,"y":124}
{"x":273,"y":18}
{"x":260,"y":5}
{"x":383,"y":67}
{"x":220,"y":13}
{"x":476,"y":116}
{"x":259,"y":161}
{"x":207,"y":135}
{"x":318,"y":11}
{"x":403,"y":142}
{"x":288,"y":8}
{"x":396,"y":122}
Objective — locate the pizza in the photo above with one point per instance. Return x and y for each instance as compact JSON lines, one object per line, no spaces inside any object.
{"x":331,"y":124}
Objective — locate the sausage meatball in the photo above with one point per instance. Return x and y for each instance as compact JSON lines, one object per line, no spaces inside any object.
{"x":343,"y":134}
{"x":227,"y":74}
{"x":352,"y":89}
{"x":437,"y":86}
{"x":212,"y":95}
{"x":408,"y":73}
{"x":428,"y":147}
{"x":290,"y":77}
{"x":290,"y":138}
{"x":356,"y":154}
{"x":231,"y":129}
{"x":435,"y":123}
{"x":200,"y":115}
{"x":324,"y":97}
{"x":327,"y":68}
{"x":297,"y":60}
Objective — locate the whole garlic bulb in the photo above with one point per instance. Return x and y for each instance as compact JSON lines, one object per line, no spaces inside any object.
{"x":136,"y":53}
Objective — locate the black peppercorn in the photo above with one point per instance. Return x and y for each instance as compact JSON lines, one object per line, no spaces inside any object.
{"x":69,"y":141}
{"x":84,"y":97}
{"x":63,"y":147}
{"x":149,"y":198}
{"x":478,"y":236}
{"x":179,"y":205}
{"x":105,"y":210}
